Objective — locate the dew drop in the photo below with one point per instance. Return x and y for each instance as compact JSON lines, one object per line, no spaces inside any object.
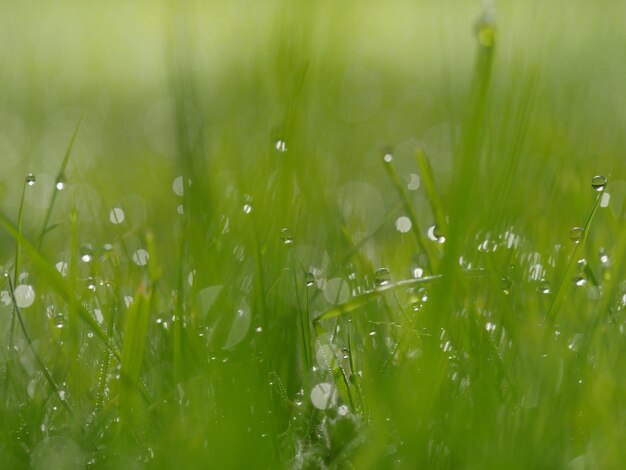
{"x":414,"y":182}
{"x":59,"y":320}
{"x":598,"y":182}
{"x":323,"y":396}
{"x":61,"y":266}
{"x":24,"y":295}
{"x":86,"y":254}
{"x":342,"y":410}
{"x":575,"y":234}
{"x":286,"y":236}
{"x":417,"y":272}
{"x":506,"y":285}
{"x":435,"y":235}
{"x":579,"y":280}
{"x":281,"y":146}
{"x":309,"y":279}
{"x":60,"y":183}
{"x":544,"y":286}
{"x":382,"y":277}
{"x":178,"y":187}
{"x":5,"y":298}
{"x":99,"y":317}
{"x":403,"y":224}
{"x":116,"y":216}
{"x":30,"y":179}
{"x":247,"y":208}
{"x":141,"y":257}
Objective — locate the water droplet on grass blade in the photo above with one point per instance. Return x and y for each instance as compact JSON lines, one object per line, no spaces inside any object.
{"x":435,"y":235}
{"x":178,"y":186}
{"x":414,"y":182}
{"x":24,"y":295}
{"x":247,"y":208}
{"x":116,"y":216}
{"x":403,"y":224}
{"x":309,"y":279}
{"x":323,"y":396}
{"x":575,"y":234}
{"x":141,"y":257}
{"x":382,"y":277}
{"x":30,"y":179}
{"x":598,"y":182}
{"x":286,"y":236}
{"x":281,"y":146}
{"x":61,"y":266}
{"x":5,"y":298}
{"x":86,"y":254}
{"x":579,"y":279}
{"x":60,"y":183}
{"x":544,"y":286}
{"x":387,"y":158}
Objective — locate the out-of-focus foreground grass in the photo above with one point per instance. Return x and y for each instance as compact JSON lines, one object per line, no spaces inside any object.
{"x":312,"y":234}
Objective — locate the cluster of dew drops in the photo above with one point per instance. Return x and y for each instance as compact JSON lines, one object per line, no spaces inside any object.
{"x":24,"y":294}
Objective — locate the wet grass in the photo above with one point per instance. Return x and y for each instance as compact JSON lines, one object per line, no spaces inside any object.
{"x":313,"y":245}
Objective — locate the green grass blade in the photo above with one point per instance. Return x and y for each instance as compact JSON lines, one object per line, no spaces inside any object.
{"x":432,"y":256}
{"x":134,"y":338}
{"x":567,"y":276}
{"x":59,"y":180}
{"x":42,"y":366}
{"x":428,"y":181}
{"x":361,"y":300}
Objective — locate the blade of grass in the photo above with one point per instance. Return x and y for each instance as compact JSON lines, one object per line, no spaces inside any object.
{"x":362,"y":299}
{"x":18,"y":253}
{"x":428,"y":181}
{"x":432,"y":258}
{"x":60,"y":180}
{"x":565,"y":280}
{"x":134,"y":339}
{"x":55,"y":388}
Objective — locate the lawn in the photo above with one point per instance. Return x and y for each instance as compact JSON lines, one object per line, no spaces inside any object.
{"x":289,"y":234}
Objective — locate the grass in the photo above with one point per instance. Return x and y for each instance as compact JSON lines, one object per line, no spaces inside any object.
{"x":312,"y":236}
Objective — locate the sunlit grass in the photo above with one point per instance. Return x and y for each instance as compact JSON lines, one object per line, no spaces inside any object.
{"x":312,"y":236}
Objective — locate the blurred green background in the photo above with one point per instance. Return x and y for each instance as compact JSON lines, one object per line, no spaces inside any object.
{"x":276,"y":114}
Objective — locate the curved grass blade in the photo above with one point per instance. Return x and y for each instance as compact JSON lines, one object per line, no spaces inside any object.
{"x":60,"y":180}
{"x":360,"y":300}
{"x":55,"y":388}
{"x":431,"y":255}
{"x":560,"y":293}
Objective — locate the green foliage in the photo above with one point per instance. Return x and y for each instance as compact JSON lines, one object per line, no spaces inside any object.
{"x":233,"y":275}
